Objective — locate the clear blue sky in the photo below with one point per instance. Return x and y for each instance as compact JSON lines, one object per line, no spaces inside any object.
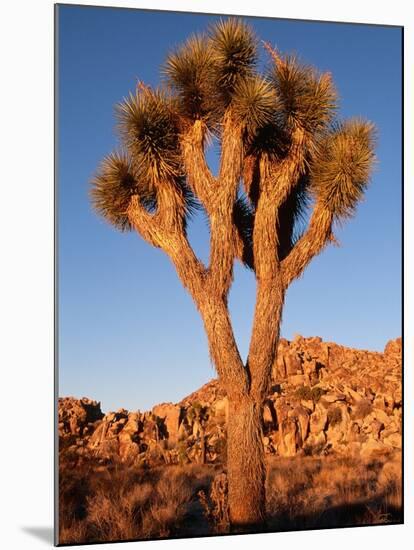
{"x":129,"y":334}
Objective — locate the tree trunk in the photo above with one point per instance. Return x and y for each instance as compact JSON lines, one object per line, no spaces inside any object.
{"x":245,"y":465}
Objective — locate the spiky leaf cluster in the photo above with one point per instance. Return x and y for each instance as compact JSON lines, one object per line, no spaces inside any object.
{"x":149,"y":131}
{"x":189,"y":72}
{"x":212,"y":84}
{"x":341,"y":166}
{"x":112,"y":188}
{"x":234,"y":50}
{"x":254,"y":104}
{"x":308,"y":98}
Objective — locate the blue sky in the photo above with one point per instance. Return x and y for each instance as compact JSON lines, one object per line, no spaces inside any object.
{"x":129,"y":335}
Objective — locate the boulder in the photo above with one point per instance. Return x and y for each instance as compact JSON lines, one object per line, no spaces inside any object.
{"x":221,"y":409}
{"x":376,"y":427}
{"x":393,"y":347}
{"x":318,"y":419}
{"x":338,"y":431}
{"x":287,"y":441}
{"x":365,"y":387}
{"x":393,"y":440}
{"x":333,"y":396}
{"x":293,"y":364}
{"x":170,"y":414}
{"x":75,"y":414}
{"x":279,"y":368}
{"x":299,"y":380}
{"x":269,"y":414}
{"x":282,"y":410}
{"x":303,"y":421}
{"x":128,"y":448}
{"x":371,"y":447}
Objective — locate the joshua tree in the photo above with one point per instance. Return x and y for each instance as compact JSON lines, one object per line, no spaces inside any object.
{"x":281,"y":152}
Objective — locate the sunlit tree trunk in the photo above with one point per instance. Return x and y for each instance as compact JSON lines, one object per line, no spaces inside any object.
{"x":245,"y":465}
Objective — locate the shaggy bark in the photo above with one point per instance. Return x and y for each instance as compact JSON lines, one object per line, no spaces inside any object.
{"x":245,"y":465}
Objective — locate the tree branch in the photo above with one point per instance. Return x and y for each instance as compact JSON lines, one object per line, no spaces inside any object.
{"x":222,"y":345}
{"x":165,"y":230}
{"x":144,"y":223}
{"x":265,"y":334}
{"x":269,"y":292}
{"x":224,"y":239}
{"x":282,"y":177}
{"x":312,"y":242}
{"x":199,"y":176}
{"x":277,"y":182}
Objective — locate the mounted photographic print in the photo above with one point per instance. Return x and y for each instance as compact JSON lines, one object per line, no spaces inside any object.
{"x":228,"y":275}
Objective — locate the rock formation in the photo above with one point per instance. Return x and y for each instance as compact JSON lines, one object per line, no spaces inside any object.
{"x":325,"y":399}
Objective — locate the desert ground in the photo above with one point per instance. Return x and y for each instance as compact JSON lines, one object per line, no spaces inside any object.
{"x":331,"y":434}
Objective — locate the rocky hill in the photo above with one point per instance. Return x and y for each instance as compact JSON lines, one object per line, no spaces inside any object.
{"x":325,"y":399}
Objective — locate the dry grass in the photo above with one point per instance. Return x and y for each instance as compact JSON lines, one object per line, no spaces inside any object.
{"x":128,"y":503}
{"x":327,"y":492}
{"x":121,"y":502}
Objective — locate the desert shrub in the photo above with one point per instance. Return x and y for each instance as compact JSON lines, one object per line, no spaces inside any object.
{"x":72,"y":533}
{"x":73,"y":490}
{"x":159,"y":521}
{"x":317,"y":393}
{"x":174,"y":486}
{"x":390,"y":482}
{"x":315,"y":449}
{"x":67,"y":441}
{"x":169,"y":504}
{"x":182,"y":451}
{"x":334,"y":416}
{"x":363,"y":408}
{"x":118,"y":517}
{"x":126,"y":503}
{"x":306,"y":393}
{"x":215,"y":503}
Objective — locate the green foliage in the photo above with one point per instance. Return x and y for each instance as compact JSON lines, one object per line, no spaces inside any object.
{"x":308,"y":98}
{"x":152,"y":158}
{"x":149,"y":131}
{"x":341,"y":166}
{"x":112,"y":188}
{"x":208,"y":71}
{"x":189,"y":72}
{"x":234,"y":50}
{"x":254,"y":104}
{"x":212,"y":78}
